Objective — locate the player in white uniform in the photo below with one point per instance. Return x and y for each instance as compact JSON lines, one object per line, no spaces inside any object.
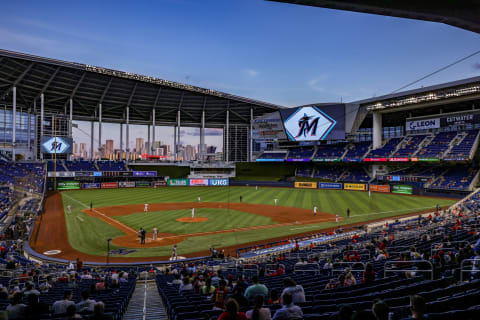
{"x":336,"y":218}
{"x":69,"y":209}
{"x":314,"y":211}
{"x":275,"y":201}
{"x":198,"y":199}
{"x":146,"y":208}
{"x":193,"y":213}
{"x":174,"y":252}
{"x":369,"y":193}
{"x":155,"y":233}
{"x":256,"y":188}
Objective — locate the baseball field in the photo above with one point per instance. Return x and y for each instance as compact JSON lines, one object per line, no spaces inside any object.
{"x":221,"y":220}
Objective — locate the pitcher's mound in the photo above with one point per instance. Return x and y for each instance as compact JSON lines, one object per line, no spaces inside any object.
{"x":187,"y":219}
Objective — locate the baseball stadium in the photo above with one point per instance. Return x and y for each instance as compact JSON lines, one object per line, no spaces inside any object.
{"x":358,"y":205}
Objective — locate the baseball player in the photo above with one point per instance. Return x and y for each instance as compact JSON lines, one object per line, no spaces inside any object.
{"x":145,"y":209}
{"x":256,"y":188}
{"x":198,"y":199}
{"x":193,"y":213}
{"x":369,"y":193}
{"x":155,"y":233}
{"x":174,"y":252}
{"x":336,"y":218}
{"x":275,"y":201}
{"x":314,"y":211}
{"x":69,"y":209}
{"x":91,"y":205}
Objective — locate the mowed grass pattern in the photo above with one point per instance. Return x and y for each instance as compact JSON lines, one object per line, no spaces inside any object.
{"x":88,"y":234}
{"x":218,"y":219}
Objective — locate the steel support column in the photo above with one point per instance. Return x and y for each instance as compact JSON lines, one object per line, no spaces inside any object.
{"x":250,"y":158}
{"x":29,"y":130}
{"x":227,"y":132}
{"x":121,"y":141}
{"x":14,"y":124}
{"x":148,"y":141}
{"x":92,"y":148}
{"x":179,"y":129}
{"x":42,"y":108}
{"x":202,"y":138}
{"x":99,"y":131}
{"x":127,"y":146}
{"x":152,"y":147}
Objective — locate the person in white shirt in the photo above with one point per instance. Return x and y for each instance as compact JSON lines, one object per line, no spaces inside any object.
{"x":336,"y":218}
{"x":71,"y":266}
{"x":275,"y":201}
{"x":263,"y":313}
{"x":314,"y":211}
{"x":69,"y":209}
{"x":296,"y":290}
{"x":145,"y":209}
{"x":30,"y":289}
{"x":155,"y":233}
{"x":198,"y":199}
{"x":193,"y":213}
{"x":86,"y":304}
{"x":186,"y":285}
{"x":60,"y":306}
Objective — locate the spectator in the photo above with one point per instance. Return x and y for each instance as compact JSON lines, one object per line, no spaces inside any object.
{"x":99,"y":313}
{"x":177,"y":279}
{"x":35,"y":309}
{"x":29,"y":289}
{"x":60,"y":306}
{"x":16,"y":309}
{"x":86,"y":304}
{"x":259,"y":312}
{"x":238,"y":296}
{"x":417,"y":307}
{"x":220,"y":294}
{"x":274,"y":297}
{"x":296,"y":290}
{"x":186,"y":285}
{"x":79,"y":265}
{"x":368,"y":274}
{"x":208,"y":289}
{"x":380,"y":310}
{"x":72,"y":313}
{"x":256,"y":289}
{"x":216,"y":278}
{"x":231,"y":312}
{"x":289,"y":311}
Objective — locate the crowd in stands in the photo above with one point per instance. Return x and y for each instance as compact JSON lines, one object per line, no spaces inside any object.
{"x":386,"y":150}
{"x":86,"y":165}
{"x":330,"y":151}
{"x":300,"y":153}
{"x":6,"y":200}
{"x":410,"y":146}
{"x":355,"y":174}
{"x":437,"y":146}
{"x":279,"y":156}
{"x":456,"y":178}
{"x":464,"y":148}
{"x":30,"y":176}
{"x":357,"y":151}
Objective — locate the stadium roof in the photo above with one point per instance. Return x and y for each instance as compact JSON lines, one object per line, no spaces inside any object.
{"x":89,"y":86}
{"x":463,"y":14}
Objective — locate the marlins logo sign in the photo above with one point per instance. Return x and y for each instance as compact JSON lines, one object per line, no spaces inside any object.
{"x":308,"y":124}
{"x":56,"y":145}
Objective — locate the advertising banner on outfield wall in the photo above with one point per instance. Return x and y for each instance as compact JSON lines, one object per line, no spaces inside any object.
{"x":159,"y":183}
{"x":126,"y":184}
{"x":143,"y":184}
{"x":91,"y":186}
{"x":379,"y":188}
{"x":178,"y":182}
{"x":402,"y":188}
{"x":330,"y":185}
{"x":423,"y":124}
{"x":218,"y":182}
{"x":306,"y":185}
{"x":144,"y":173}
{"x":355,"y":186}
{"x":68,"y":185}
{"x":109,"y":185}
{"x":198,"y":182}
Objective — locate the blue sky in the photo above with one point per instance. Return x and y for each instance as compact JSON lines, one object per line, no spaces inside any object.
{"x":284,"y":54}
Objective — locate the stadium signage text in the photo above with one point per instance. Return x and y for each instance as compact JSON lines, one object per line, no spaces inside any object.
{"x":375,"y":159}
{"x":423,"y":124}
{"x":143,"y":184}
{"x":379,"y":188}
{"x":330,"y":185}
{"x":308,"y":124}
{"x":126,"y":184}
{"x":298,"y":160}
{"x":403,"y":189}
{"x":144,"y":173}
{"x":218,"y":182}
{"x":398,"y":159}
{"x":68,"y":185}
{"x":198,"y":182}
{"x":355,"y":186}
{"x":306,"y":185}
{"x":178,"y":182}
{"x":91,"y":186}
{"x":109,"y":185}
{"x":53,"y":145}
{"x":326,"y":159}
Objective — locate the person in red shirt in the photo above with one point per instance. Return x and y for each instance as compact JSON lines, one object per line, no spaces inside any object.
{"x":297,"y":246}
{"x":231,"y":312}
{"x":220,"y":295}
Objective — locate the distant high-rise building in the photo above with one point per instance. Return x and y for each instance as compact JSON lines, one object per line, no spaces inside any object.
{"x":139,"y":145}
{"x":108,"y":147}
{"x":83,"y":150}
{"x":189,"y":153}
{"x":75,"y":148}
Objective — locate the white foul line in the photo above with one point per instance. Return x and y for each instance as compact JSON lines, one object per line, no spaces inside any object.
{"x":95,"y":210}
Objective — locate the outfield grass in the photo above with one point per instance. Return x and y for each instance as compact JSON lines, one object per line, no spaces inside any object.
{"x":88,"y":234}
{"x":218,"y":219}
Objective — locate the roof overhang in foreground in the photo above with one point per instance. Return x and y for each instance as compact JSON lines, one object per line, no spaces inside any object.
{"x":88,"y":86}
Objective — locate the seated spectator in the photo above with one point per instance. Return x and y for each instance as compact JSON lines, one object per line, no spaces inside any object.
{"x":256,"y":289}
{"x":60,"y":306}
{"x":259,"y":312}
{"x":99,"y":313}
{"x":16,"y":308}
{"x":30,"y":289}
{"x":177,"y":279}
{"x":10,"y":264}
{"x":100,"y":285}
{"x":289,"y":311}
{"x":86,"y":304}
{"x":380,"y":310}
{"x":35,"y":309}
{"x":186,"y":285}
{"x":296,"y":290}
{"x":231,"y":312}
{"x":45,"y":286}
{"x":417,"y":307}
{"x":368,"y":274}
{"x":238,"y":296}
{"x":274,"y":297}
{"x":220,"y":295}
{"x":208,"y":289}
{"x":123,"y":277}
{"x":72,"y":313}
{"x":114,"y":284}
{"x":328,"y":265}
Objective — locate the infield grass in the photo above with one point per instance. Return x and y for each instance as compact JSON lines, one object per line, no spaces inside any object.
{"x":89,"y":234}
